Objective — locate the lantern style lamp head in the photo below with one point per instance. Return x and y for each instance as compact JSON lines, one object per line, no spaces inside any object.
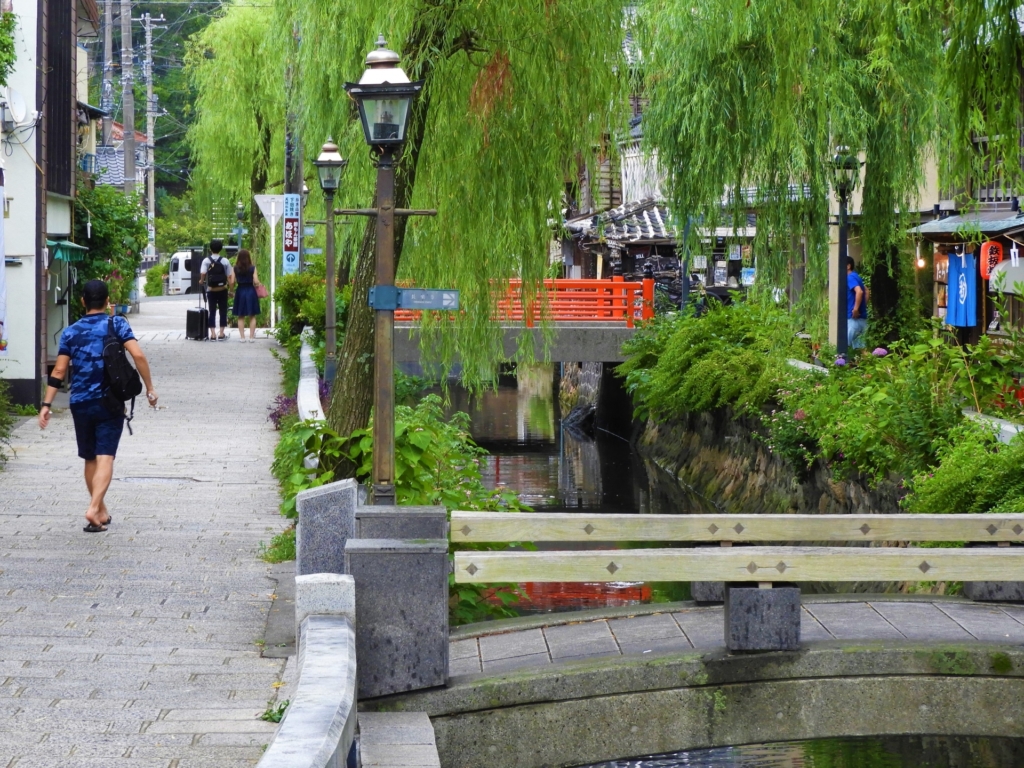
{"x":384,"y":95}
{"x":239,"y":211}
{"x":845,"y":171}
{"x":329,"y":166}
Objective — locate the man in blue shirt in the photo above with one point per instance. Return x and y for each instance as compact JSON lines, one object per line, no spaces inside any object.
{"x":856,"y":308}
{"x":98,"y":420}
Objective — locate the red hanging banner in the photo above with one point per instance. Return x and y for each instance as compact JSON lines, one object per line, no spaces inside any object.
{"x":991,"y":255}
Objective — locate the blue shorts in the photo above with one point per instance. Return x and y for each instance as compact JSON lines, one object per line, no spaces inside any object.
{"x":97,"y":428}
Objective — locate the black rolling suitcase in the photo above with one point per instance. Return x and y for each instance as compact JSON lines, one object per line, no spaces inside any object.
{"x":196,"y":322}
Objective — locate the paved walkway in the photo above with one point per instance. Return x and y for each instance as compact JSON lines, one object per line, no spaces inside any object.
{"x":138,"y":647}
{"x":828,"y":619}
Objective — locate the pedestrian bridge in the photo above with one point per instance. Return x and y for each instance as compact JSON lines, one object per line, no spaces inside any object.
{"x":589,"y":320}
{"x":579,"y":688}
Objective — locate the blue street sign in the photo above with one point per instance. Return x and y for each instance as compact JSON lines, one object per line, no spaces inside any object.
{"x":313,"y":251}
{"x":416,"y":298}
{"x":309,"y":230}
{"x":391,"y":298}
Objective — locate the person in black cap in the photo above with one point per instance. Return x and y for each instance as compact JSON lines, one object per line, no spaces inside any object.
{"x":98,"y":424}
{"x":217,"y":276}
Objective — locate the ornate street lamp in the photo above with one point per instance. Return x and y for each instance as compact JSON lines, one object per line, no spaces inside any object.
{"x":845,"y":172}
{"x":329,"y":166}
{"x":384,"y":96}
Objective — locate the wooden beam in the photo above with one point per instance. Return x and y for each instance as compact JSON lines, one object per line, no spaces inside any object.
{"x":471,"y":527}
{"x":755,"y":564}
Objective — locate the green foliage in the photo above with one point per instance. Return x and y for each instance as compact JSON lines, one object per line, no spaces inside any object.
{"x":25,"y":410}
{"x":514,"y":93}
{"x":274,"y":714}
{"x":300,"y":296}
{"x":180,"y":224}
{"x":155,"y":278}
{"x":6,"y":423}
{"x":8,"y":55}
{"x":975,"y":473}
{"x":728,"y":356}
{"x":282,"y":547}
{"x":237,"y":69}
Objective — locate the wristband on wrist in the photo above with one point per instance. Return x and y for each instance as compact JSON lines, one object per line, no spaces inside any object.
{"x":48,"y":405}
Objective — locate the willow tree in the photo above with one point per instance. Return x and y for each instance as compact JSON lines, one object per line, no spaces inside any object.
{"x":758,"y":94}
{"x":513,"y":93}
{"x":237,"y":70}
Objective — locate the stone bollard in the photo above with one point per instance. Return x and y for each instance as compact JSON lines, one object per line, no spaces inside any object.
{"x":707,"y":592}
{"x":324,"y":594}
{"x":402,"y":633}
{"x":327,"y":519}
{"x":762,"y":619}
{"x":401,"y":523}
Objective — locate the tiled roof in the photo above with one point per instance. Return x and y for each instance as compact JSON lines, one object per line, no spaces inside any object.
{"x":110,"y":166}
{"x":643,"y":221}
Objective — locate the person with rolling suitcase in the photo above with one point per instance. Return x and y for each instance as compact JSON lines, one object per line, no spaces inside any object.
{"x":217,"y":276}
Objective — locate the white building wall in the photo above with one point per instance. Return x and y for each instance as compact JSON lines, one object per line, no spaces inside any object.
{"x":20,"y":221}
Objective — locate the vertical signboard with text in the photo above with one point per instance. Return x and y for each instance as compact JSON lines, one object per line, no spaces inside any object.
{"x":291,"y":240}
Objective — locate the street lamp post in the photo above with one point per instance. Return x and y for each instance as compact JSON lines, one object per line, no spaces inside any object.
{"x":384,"y":96}
{"x":240,"y":217}
{"x":329,"y":166}
{"x":845,"y":169}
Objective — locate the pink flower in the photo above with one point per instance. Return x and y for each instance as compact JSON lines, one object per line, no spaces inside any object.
{"x":880,"y":352}
{"x":799,"y":414}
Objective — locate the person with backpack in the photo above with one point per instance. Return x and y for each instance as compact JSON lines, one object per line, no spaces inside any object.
{"x":217,"y":276}
{"x":100,"y":383}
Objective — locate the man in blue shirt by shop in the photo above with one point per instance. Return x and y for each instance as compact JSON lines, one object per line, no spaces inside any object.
{"x":98,"y":420}
{"x":856,"y":308}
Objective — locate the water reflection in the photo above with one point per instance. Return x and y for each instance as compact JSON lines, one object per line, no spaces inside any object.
{"x":555,"y":469}
{"x":552,"y":468}
{"x":881,"y":752}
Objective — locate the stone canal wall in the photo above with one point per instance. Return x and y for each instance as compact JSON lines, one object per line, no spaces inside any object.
{"x":720,"y":464}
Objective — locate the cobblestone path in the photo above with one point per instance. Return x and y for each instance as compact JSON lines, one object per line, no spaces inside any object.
{"x":139,"y":646}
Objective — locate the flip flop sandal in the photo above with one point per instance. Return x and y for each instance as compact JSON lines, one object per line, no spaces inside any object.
{"x":93,"y":528}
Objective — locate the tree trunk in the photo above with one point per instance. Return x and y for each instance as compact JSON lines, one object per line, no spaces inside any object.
{"x":352,"y":393}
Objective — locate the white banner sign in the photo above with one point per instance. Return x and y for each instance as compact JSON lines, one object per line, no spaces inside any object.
{"x":291,"y":238}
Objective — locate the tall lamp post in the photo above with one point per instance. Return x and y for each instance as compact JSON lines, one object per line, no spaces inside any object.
{"x":845,"y":170}
{"x":329,"y":166}
{"x":384,"y":96}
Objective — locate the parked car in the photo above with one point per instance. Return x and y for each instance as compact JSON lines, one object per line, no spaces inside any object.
{"x":183,"y":273}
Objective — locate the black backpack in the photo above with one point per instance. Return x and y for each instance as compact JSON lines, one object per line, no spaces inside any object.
{"x":217,"y":274}
{"x":122,"y":380}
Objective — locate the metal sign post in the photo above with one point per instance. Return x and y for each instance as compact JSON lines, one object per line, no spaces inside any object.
{"x":272,"y":206}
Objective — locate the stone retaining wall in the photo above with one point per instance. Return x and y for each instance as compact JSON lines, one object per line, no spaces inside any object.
{"x":720,"y":465}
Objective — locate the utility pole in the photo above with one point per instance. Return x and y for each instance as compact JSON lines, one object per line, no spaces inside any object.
{"x":107,"y":90}
{"x":127,"y":97}
{"x":151,"y":113}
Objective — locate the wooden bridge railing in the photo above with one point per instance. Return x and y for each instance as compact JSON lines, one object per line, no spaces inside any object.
{"x":762,"y":564}
{"x":612,"y":300}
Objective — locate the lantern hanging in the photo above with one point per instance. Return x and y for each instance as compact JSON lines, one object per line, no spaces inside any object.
{"x":991,"y":255}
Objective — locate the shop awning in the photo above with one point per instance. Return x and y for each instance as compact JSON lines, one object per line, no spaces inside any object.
{"x":65,"y":250}
{"x":956,"y":228}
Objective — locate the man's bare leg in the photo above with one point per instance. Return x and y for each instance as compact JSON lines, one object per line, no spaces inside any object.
{"x":98,"y":474}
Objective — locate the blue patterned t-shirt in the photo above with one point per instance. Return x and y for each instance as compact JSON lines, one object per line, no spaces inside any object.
{"x":83,"y":343}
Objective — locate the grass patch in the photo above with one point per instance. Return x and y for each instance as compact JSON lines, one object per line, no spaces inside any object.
{"x":281,"y":549}
{"x":274,"y":714}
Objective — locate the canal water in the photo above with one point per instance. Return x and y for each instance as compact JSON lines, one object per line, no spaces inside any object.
{"x":885,"y":752}
{"x":558,"y":469}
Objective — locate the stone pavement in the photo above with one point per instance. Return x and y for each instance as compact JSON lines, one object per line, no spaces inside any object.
{"x":139,"y":647}
{"x":685,"y":627}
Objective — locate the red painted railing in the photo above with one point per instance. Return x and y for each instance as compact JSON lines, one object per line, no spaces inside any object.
{"x":614,"y":301}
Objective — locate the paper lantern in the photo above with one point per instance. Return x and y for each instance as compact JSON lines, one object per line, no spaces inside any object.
{"x":991,"y":254}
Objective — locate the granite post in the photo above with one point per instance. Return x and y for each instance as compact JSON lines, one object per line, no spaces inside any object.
{"x":324,"y":594}
{"x":402,"y":633}
{"x":327,"y":519}
{"x":401,"y":522}
{"x":762,"y":619}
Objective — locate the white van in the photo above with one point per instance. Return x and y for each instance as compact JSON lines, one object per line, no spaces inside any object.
{"x":179,"y":275}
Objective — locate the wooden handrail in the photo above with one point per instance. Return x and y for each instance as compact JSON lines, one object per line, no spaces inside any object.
{"x":476,"y":527}
{"x":749,"y":564}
